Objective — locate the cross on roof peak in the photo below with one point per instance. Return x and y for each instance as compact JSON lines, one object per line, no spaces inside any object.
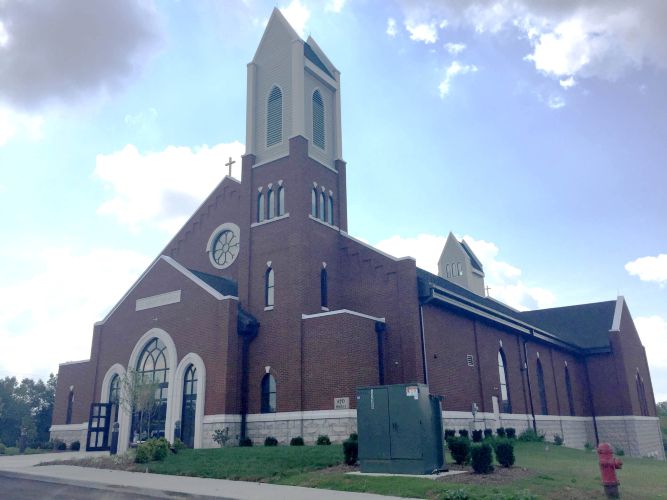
{"x":229,"y":164}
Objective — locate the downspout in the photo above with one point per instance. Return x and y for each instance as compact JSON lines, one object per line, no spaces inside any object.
{"x":380,"y":328}
{"x":247,"y":327}
{"x":530,"y":391}
{"x":592,"y":403}
{"x":423,"y":341}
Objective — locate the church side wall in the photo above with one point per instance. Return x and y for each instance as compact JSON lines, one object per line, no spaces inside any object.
{"x":78,"y":376}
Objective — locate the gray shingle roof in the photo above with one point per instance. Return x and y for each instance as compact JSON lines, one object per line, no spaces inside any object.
{"x":312,"y":57}
{"x":223,"y":285}
{"x":473,"y":258}
{"x":585,"y":326}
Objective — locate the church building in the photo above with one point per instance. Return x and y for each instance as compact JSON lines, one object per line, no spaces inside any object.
{"x":262,"y":315}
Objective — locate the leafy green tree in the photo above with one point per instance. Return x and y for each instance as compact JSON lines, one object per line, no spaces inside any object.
{"x":662,"y":409}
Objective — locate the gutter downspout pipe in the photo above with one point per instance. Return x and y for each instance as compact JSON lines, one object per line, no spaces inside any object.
{"x":530,"y":391}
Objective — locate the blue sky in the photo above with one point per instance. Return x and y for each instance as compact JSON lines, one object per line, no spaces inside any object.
{"x":535,"y":130}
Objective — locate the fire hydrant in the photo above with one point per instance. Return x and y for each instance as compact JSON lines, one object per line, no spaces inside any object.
{"x":608,"y":466}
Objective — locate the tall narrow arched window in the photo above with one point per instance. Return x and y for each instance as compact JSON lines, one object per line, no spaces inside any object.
{"x":568,"y":389}
{"x":152,"y":371}
{"x":641,"y":393}
{"x":505,"y":403}
{"x":281,"y":201}
{"x":322,"y":208}
{"x":114,"y":390}
{"x":460,"y":269}
{"x":318,"y":120}
{"x":269,"y":288}
{"x":449,"y":271}
{"x":542,"y":390}
{"x":268,"y":394}
{"x":271,"y":203}
{"x":324,"y":292}
{"x":70,"y":404}
{"x":313,"y":202}
{"x":330,"y":211}
{"x":274,"y":117}
{"x":189,"y":406}
{"x":260,"y":207}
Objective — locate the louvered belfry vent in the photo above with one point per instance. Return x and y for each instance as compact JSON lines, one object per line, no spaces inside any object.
{"x":318,"y":120}
{"x":274,"y":118}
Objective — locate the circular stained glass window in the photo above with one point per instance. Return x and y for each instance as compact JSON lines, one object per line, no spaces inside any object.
{"x":223,"y":246}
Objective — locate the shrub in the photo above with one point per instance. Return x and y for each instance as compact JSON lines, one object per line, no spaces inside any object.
{"x":588,"y":446}
{"x":75,"y":446}
{"x":160,"y":448}
{"x":558,"y":440}
{"x":488,"y":433}
{"x":501,"y":432}
{"x":477,"y":436}
{"x":296,"y":441}
{"x":529,"y":435}
{"x":459,"y":447}
{"x":351,"y":450}
{"x":178,"y":445}
{"x":619,"y":451}
{"x":245,"y":442}
{"x":449,"y":433}
{"x":144,"y":454}
{"x":354,"y":436}
{"x":510,"y":432}
{"x":505,"y":452}
{"x":463,"y":433}
{"x":482,"y":457}
{"x":61,"y":446}
{"x":3,"y":449}
{"x":221,"y":436}
{"x":323,"y":440}
{"x":270,"y":441}
{"x":459,"y":494}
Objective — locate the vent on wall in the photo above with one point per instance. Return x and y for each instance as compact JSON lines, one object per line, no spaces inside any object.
{"x":318,"y":119}
{"x":470,"y":359}
{"x":274,"y":118}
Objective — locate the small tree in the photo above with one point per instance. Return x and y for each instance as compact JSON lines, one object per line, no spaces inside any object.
{"x":221,"y":436}
{"x":137,"y":395}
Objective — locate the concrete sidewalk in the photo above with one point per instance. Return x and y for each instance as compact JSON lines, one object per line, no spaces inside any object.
{"x":160,"y":485}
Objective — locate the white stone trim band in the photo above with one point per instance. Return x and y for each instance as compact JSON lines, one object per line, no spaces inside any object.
{"x":341,"y":311}
{"x":162,"y":299}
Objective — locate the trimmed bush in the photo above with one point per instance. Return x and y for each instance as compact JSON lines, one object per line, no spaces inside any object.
{"x":459,"y":447}
{"x":477,"y":436}
{"x":351,"y":450}
{"x":296,"y":441}
{"x":75,"y":446}
{"x":505,"y":452}
{"x":619,"y":451}
{"x":354,"y":436}
{"x":558,"y":440}
{"x":511,"y":432}
{"x":178,"y":445}
{"x":61,"y":446}
{"x":463,"y":433}
{"x":270,"y":441}
{"x":144,"y":454}
{"x":450,"y":433}
{"x":323,"y":440}
{"x":160,"y":449}
{"x":501,"y":432}
{"x":481,"y":457}
{"x":246,"y":442}
{"x":488,"y":433}
{"x":529,"y":435}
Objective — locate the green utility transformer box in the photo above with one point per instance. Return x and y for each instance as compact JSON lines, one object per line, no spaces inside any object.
{"x":400,"y":430}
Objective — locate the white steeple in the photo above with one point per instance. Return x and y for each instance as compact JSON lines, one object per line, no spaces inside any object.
{"x":460,"y":265}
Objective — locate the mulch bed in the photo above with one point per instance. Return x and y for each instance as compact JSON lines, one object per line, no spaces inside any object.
{"x":499,"y":476}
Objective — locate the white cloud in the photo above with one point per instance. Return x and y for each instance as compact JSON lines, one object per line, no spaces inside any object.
{"x":391,"y":27}
{"x":584,"y":38}
{"x":297,"y":14}
{"x":14,"y":124}
{"x":454,"y":69}
{"x":503,"y":279}
{"x":649,"y":268}
{"x":422,"y":32}
{"x":555,"y":102}
{"x":455,"y":48}
{"x":63,"y":50}
{"x":653,"y":333}
{"x":162,"y":188}
{"x":568,"y":83}
{"x":50,"y":314}
{"x":335,"y":6}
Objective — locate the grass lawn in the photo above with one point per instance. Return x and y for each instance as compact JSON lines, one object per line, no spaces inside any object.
{"x":553,"y":472}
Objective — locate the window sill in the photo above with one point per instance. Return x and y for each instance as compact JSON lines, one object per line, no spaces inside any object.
{"x":310,"y":216}
{"x":325,"y":308}
{"x":266,"y":221}
{"x":268,"y":308}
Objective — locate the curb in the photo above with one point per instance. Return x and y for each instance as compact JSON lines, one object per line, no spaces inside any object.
{"x":155,"y":493}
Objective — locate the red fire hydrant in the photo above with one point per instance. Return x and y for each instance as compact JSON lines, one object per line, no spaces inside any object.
{"x":608,"y":466}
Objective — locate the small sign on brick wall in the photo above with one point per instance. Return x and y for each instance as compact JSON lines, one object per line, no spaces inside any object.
{"x":341,"y":403}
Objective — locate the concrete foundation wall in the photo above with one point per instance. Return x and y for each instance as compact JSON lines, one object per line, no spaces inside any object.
{"x":70,"y":433}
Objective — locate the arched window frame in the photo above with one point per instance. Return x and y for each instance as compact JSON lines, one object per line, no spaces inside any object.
{"x":274,"y":117}
{"x":324,"y":288}
{"x":114,"y":389}
{"x":319,"y":137}
{"x":189,"y":403}
{"x":269,"y":398}
{"x":153,"y":367}
{"x":330,"y":210}
{"x":261,"y":214}
{"x":641,"y":393}
{"x":448,"y":270}
{"x":281,"y":201}
{"x":503,"y":388}
{"x":544,"y":406}
{"x":270,"y":204}
{"x":568,"y":389}
{"x":313,"y":202}
{"x":269,"y":288}
{"x":322,"y":207}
